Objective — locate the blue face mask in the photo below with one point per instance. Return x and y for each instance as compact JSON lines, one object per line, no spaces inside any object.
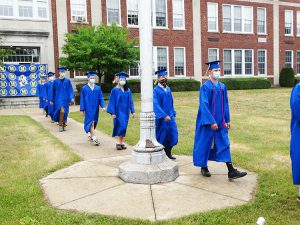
{"x":216,"y":75}
{"x":62,"y":75}
{"x":122,"y":82}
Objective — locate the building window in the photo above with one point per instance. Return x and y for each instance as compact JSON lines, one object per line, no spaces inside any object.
{"x":178,"y":14}
{"x":135,"y":70}
{"x":262,"y":62}
{"x":238,"y":19}
{"x":23,"y":55}
{"x":298,"y":23}
{"x":113,"y":12}
{"x":298,"y":62}
{"x":6,"y":8}
{"x":162,"y":58}
{"x":78,"y":11}
{"x":238,"y":62}
{"x":25,"y":8}
{"x":160,"y":13}
{"x":227,"y":18}
{"x":213,"y":54}
{"x":179,"y":61}
{"x":133,"y":12}
{"x":261,"y":21}
{"x":288,"y":15}
{"x":289,"y":59}
{"x":212,"y":16}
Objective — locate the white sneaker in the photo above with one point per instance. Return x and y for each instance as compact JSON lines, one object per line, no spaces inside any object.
{"x":96,"y":142}
{"x":90,"y":138}
{"x":60,"y":128}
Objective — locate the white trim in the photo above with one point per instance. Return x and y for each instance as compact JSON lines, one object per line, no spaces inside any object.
{"x":183,"y":18}
{"x":298,"y":74}
{"x":265,"y":9}
{"x":130,"y":25}
{"x":184,"y":61}
{"x":292,"y":27}
{"x":154,"y":16}
{"x":155,"y":58}
{"x":266,"y":63}
{"x":120,"y":15}
{"x":217,"y":20}
{"x":79,"y":77}
{"x":298,"y":22}
{"x":292,"y":56}
{"x":218,"y":54}
{"x":86,"y":17}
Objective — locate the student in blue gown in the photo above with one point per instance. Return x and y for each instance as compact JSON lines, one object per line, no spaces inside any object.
{"x":63,"y":96}
{"x":166,"y":127}
{"x":119,"y":106}
{"x":91,"y":98}
{"x":212,"y":125}
{"x":295,"y":135}
{"x":40,"y":92}
{"x":49,"y":94}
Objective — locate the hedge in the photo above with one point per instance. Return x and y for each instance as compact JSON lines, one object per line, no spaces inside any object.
{"x":287,"y":77}
{"x":246,"y":83}
{"x":297,"y":80}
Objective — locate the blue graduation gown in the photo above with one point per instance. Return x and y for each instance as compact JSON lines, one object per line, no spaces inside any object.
{"x":90,"y":100}
{"x":213,"y":108}
{"x":120,"y":104}
{"x":295,"y":134}
{"x":166,"y":131}
{"x":39,"y":93}
{"x":49,"y":97}
{"x":62,"y":96}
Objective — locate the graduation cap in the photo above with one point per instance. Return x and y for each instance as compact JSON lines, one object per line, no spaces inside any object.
{"x":162,"y":72}
{"x":122,"y":75}
{"x":50,"y":74}
{"x":213,"y":64}
{"x":62,"y":69}
{"x":91,"y":74}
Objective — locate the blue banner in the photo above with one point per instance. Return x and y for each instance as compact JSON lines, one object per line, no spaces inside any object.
{"x":20,"y":80}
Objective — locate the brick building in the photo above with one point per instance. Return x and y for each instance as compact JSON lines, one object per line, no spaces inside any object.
{"x":251,"y":37}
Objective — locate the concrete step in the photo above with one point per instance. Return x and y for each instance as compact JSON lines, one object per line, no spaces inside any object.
{"x":19,"y":102}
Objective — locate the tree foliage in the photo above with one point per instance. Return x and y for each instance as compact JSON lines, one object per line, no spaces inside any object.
{"x":104,"y":49}
{"x":4,"y":53}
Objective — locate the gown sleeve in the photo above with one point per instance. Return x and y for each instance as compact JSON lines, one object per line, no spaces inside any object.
{"x":102,"y":102}
{"x":206,"y":117}
{"x":71,"y":92}
{"x":131,"y":102}
{"x":82,"y":103}
{"x":226,"y":106}
{"x":111,"y":108}
{"x":159,"y":112}
{"x":295,"y":102}
{"x":38,"y":90}
{"x":174,"y":112}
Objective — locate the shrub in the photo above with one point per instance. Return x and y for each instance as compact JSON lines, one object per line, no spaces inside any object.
{"x":287,"y":77}
{"x":246,"y":83}
{"x":297,"y":80}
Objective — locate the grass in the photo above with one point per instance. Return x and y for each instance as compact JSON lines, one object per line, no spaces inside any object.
{"x":260,"y":143}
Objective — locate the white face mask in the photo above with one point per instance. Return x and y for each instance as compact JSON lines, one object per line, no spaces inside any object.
{"x":92,"y":80}
{"x":122,"y":82}
{"x":62,"y":75}
{"x":51,"y":78}
{"x":216,"y":75}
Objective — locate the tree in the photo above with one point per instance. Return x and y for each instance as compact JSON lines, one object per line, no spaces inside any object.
{"x":4,"y":53}
{"x":287,"y":77}
{"x":104,"y":49}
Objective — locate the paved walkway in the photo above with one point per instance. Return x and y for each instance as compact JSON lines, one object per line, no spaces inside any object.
{"x":93,"y":185}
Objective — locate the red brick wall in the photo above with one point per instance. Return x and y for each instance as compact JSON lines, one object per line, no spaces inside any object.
{"x":237,"y":41}
{"x":166,"y":37}
{"x":288,"y":42}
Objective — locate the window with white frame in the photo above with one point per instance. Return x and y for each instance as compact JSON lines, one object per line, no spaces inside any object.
{"x":238,"y":62}
{"x":212,"y":16}
{"x":78,"y":11}
{"x":178,"y":14}
{"x":262,"y":62}
{"x":227,"y":21}
{"x":25,"y":9}
{"x":289,"y":59}
{"x":237,"y":18}
{"x":213,"y":54}
{"x":80,"y":73}
{"x":23,"y":55}
{"x":162,"y":58}
{"x":179,"y":61}
{"x":160,"y":14}
{"x":113,"y":12}
{"x":298,"y":62}
{"x":134,"y":71}
{"x":132,"y":12}
{"x":261,"y":21}
{"x":298,"y":23}
{"x":288,"y":16}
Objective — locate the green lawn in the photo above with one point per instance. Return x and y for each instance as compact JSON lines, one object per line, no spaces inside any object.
{"x":260,"y":143}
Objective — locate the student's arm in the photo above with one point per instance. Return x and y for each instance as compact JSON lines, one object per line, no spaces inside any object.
{"x":206,"y":117}
{"x":111,"y":107}
{"x":82,"y":102}
{"x":174,"y":112}
{"x":102,"y":102}
{"x":159,"y":112}
{"x":226,"y":106}
{"x":295,"y":102}
{"x":131,"y":103}
{"x":71,"y":93}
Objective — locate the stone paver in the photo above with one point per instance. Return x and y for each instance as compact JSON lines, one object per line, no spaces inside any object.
{"x":93,"y":185}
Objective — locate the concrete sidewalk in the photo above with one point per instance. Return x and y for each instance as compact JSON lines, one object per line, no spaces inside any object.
{"x":93,"y":185}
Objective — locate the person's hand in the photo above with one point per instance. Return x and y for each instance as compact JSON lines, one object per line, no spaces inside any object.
{"x":72,"y":102}
{"x":46,"y":100}
{"x":214,"y":126}
{"x":103,"y":109}
{"x":167,"y":118}
{"x":51,"y":103}
{"x":133,"y":115}
{"x":228,"y":126}
{"x":113,"y":116}
{"x":82,"y":113}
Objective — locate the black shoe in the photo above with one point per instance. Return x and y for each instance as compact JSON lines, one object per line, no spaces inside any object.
{"x":169,"y":154}
{"x":205,"y":172}
{"x":118,"y":147}
{"x":123,"y":146}
{"x":235,"y":174}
